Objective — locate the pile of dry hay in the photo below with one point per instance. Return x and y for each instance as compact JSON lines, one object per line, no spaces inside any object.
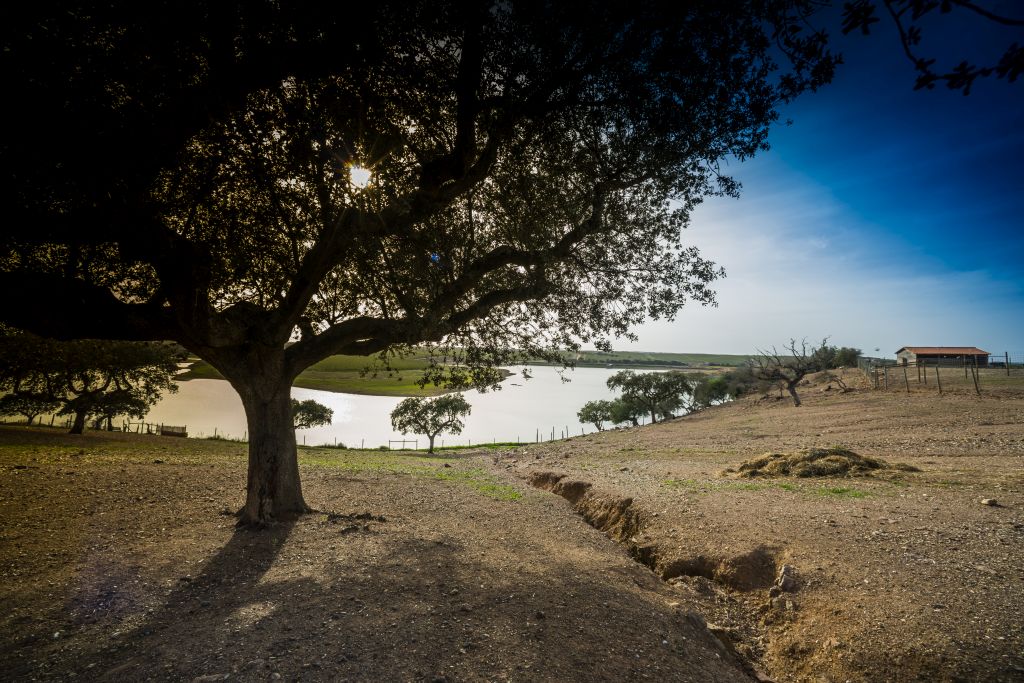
{"x":815,"y":462}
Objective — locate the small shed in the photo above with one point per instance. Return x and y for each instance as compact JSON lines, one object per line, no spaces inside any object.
{"x":942,"y":355}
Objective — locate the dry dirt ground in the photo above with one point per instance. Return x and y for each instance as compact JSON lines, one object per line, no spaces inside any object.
{"x":119,"y":560}
{"x":118,"y":563}
{"x":895,"y":577}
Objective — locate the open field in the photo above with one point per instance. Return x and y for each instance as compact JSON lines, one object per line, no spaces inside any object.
{"x":120,"y":561}
{"x":899,"y":576}
{"x":645,"y":359}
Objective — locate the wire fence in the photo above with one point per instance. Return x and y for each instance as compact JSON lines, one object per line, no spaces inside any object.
{"x":159,"y":429}
{"x":949,"y":374}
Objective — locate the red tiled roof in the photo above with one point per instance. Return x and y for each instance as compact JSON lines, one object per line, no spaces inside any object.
{"x":946,"y":350}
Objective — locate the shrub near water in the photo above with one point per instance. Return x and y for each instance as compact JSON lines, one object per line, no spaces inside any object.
{"x":816,"y":462}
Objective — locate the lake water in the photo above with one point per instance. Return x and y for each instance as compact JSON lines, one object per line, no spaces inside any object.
{"x":519,"y":411}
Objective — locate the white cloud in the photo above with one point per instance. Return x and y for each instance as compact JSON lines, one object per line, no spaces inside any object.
{"x":802,"y":264}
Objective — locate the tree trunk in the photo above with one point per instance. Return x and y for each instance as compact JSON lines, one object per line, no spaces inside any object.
{"x":78,"y":426}
{"x":274,"y":491}
{"x":791,"y":388}
{"x":430,"y":448}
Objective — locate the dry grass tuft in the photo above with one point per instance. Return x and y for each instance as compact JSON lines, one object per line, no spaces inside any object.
{"x":816,"y":462}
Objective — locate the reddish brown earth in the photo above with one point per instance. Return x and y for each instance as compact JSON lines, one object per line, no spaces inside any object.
{"x":115,"y":566}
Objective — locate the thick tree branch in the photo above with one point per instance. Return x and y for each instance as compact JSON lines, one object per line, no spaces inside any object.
{"x":78,"y":310}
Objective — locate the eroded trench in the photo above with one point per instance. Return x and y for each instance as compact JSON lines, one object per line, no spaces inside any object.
{"x":624,"y":522}
{"x":758,"y":569}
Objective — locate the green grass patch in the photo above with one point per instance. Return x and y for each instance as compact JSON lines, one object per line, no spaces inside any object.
{"x":478,"y":479}
{"x":706,"y":487}
{"x":838,"y":492}
{"x":494,"y":446}
{"x":352,"y":382}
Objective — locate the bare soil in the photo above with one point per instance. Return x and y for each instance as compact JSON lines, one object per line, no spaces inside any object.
{"x":119,"y":561}
{"x":889,"y":576}
{"x":624,"y":555}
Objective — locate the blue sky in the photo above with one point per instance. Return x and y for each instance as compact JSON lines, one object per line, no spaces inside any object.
{"x":881,"y":217}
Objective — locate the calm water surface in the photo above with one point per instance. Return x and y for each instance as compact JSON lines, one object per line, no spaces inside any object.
{"x":517,"y":412}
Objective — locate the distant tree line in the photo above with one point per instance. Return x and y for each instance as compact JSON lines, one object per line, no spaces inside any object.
{"x":86,"y":379}
{"x":659,"y":395}
{"x":665,"y":394}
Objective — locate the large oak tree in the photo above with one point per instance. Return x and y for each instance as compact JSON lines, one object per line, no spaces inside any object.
{"x":196,"y":172}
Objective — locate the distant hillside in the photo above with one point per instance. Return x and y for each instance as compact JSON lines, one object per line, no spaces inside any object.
{"x":652,"y":359}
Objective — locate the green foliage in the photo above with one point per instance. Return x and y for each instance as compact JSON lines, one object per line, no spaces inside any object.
{"x":431,"y":416}
{"x":658,"y":393}
{"x":309,"y":413}
{"x":743,"y":381}
{"x":623,"y":410}
{"x":710,"y":390}
{"x":596,"y":413}
{"x":27,"y":404}
{"x":845,"y":357}
{"x":87,"y":378}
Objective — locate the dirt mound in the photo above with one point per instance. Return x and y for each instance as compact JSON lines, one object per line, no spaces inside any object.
{"x":816,"y":462}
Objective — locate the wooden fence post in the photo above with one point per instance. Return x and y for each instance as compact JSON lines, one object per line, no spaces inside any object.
{"x":906,"y":380}
{"x":938,"y":379}
{"x":885,"y":369}
{"x":963,"y":364}
{"x":1006,"y":354}
{"x":976,"y":387}
{"x":925,"y":372}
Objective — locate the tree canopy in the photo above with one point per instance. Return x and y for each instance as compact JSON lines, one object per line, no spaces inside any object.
{"x":85,"y":378}
{"x":310,"y":413}
{"x":657,"y":393}
{"x":596,"y":413}
{"x":495,"y":180}
{"x":431,"y":416}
